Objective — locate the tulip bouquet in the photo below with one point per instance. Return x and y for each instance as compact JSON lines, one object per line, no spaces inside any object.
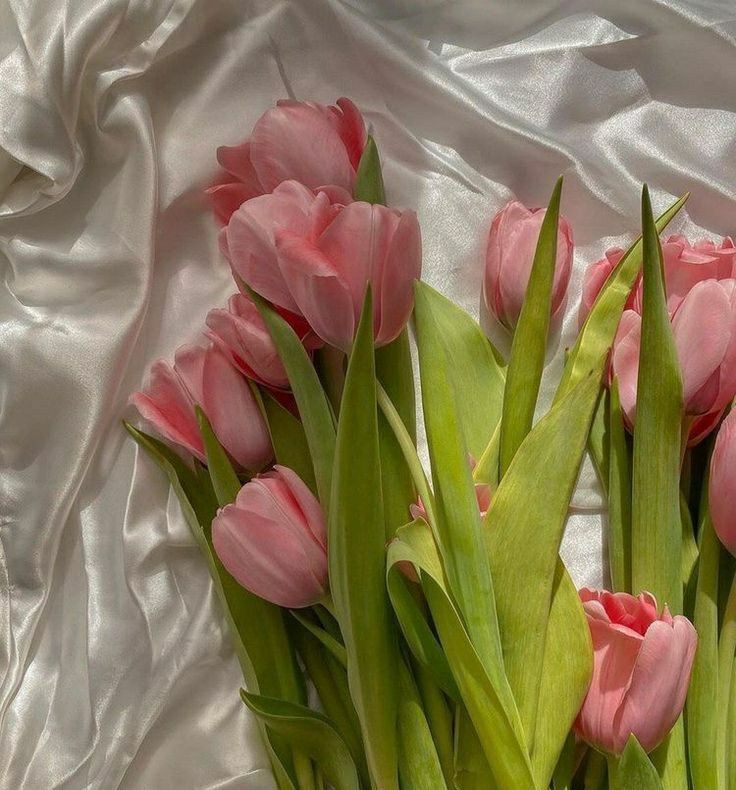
{"x":409,"y":624}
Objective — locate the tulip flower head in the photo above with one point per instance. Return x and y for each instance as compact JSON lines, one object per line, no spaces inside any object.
{"x":642,"y":663}
{"x":704,"y":330}
{"x":316,"y":145}
{"x":204,"y":376}
{"x":273,"y":540}
{"x":512,"y":243}
{"x":722,"y":483}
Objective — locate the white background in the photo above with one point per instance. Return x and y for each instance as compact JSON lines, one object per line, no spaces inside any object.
{"x":114,"y":670}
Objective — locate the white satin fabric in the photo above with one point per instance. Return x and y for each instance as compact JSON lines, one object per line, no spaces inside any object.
{"x":115,"y":671}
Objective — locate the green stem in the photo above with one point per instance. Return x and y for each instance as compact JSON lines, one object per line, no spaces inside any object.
{"x":439,"y":719}
{"x":409,"y":451}
{"x":304,"y":771}
{"x":726,"y":648}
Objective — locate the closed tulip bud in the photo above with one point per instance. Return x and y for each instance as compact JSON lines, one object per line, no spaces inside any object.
{"x":204,"y":376}
{"x":273,"y":540}
{"x":328,"y":268}
{"x":242,"y":335}
{"x":641,"y":670}
{"x":722,"y":484}
{"x":704,"y":330}
{"x":509,"y":257}
{"x":318,"y":146}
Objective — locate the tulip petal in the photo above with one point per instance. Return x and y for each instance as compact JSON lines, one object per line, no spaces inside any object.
{"x":595,"y":278}
{"x":166,"y":404}
{"x":722,"y":487}
{"x":320,"y":294}
{"x":236,"y":159}
{"x":401,"y":267}
{"x":625,"y":361}
{"x":298,"y":141}
{"x":659,"y":684}
{"x":251,"y":238}
{"x":702,"y":332}
{"x":236,"y":419}
{"x":352,"y":130}
{"x":309,"y":507}
{"x":227,"y":198}
{"x":615,"y":655}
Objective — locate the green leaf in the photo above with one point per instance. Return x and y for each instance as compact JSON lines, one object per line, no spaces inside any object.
{"x":478,"y":379}
{"x":357,"y":559}
{"x":369,"y":178}
{"x":308,"y":732}
{"x":656,"y":532}
{"x":530,"y":338}
{"x":472,"y":771}
{"x":225,"y":481}
{"x":419,"y":764}
{"x":619,"y":496}
{"x":526,"y":521}
{"x":598,"y":440}
{"x":702,"y":698}
{"x":394,"y":372}
{"x":568,"y":666}
{"x":726,"y":651}
{"x":314,"y":408}
{"x":590,"y":352}
{"x":485,"y":695}
{"x":289,"y":440}
{"x":633,"y":770}
{"x":439,"y":718}
{"x":458,"y":524}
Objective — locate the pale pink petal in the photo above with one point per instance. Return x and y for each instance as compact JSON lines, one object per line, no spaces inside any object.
{"x":352,"y":130}
{"x":702,"y":332}
{"x":625,"y":361}
{"x":236,"y":159}
{"x":659,"y":684}
{"x":167,"y":405}
{"x":563,"y":265}
{"x":722,"y":487}
{"x":309,"y":506}
{"x":595,"y":278}
{"x":226,"y":199}
{"x":236,"y":419}
{"x":320,"y":294}
{"x":298,"y":141}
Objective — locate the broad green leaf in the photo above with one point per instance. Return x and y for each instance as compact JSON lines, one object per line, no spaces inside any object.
{"x":225,"y":481}
{"x":265,"y":655}
{"x":689,"y":554}
{"x":330,"y":682}
{"x":289,"y":440}
{"x":656,"y":531}
{"x":311,"y":733}
{"x":731,"y":727}
{"x":419,"y":763}
{"x":484,"y":695}
{"x":357,"y":558}
{"x":458,"y":524}
{"x":394,"y":371}
{"x":590,"y":352}
{"x":702,"y":698}
{"x":328,"y":640}
{"x":369,"y":178}
{"x":568,"y":666}
{"x":619,"y":496}
{"x":525,"y":522}
{"x":314,"y":409}
{"x":633,"y":770}
{"x":529,"y":345}
{"x":478,"y":379}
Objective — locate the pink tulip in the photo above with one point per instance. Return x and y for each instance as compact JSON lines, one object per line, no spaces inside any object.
{"x":641,"y":670}
{"x":509,"y":257}
{"x":704,"y":329}
{"x":242,"y":336}
{"x":273,"y":540}
{"x":685,"y":265}
{"x":204,"y":376}
{"x":328,"y":268}
{"x":318,"y":146}
{"x":722,"y":485}
{"x":249,"y":240}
